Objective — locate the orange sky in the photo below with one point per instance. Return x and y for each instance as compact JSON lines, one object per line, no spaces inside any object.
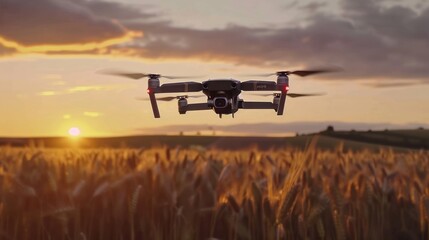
{"x":49,"y":83}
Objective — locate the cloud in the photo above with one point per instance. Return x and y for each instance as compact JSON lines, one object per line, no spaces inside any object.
{"x":264,"y":129}
{"x":313,"y":6}
{"x":52,"y":25}
{"x":115,"y":10}
{"x":80,"y":89}
{"x":4,"y":51}
{"x":367,"y":42}
{"x":89,"y":88}
{"x":52,"y":77}
{"x":48,"y":93}
{"x":368,"y":39}
{"x":92,"y":114}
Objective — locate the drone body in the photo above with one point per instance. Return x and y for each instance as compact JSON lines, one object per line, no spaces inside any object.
{"x":223,"y":95}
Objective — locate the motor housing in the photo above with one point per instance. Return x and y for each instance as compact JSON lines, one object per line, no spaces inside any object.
{"x":182,"y":104}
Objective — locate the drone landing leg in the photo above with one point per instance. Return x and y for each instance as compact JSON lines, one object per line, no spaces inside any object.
{"x":154,"y":105}
{"x":282,"y":102}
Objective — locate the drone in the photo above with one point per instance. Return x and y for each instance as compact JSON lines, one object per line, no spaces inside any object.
{"x":223,"y":95}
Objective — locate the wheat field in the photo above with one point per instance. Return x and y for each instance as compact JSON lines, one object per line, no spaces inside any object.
{"x":174,"y":193}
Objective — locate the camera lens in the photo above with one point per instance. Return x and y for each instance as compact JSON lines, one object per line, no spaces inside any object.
{"x":220,"y":102}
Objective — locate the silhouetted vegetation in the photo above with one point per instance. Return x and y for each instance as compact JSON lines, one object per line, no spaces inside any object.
{"x":330,"y":128}
{"x":417,"y":139}
{"x":328,"y":139}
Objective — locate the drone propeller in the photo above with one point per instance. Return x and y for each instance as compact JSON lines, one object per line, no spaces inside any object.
{"x":295,"y":95}
{"x":292,"y":95}
{"x":170,"y":98}
{"x":137,"y":76}
{"x":301,"y":73}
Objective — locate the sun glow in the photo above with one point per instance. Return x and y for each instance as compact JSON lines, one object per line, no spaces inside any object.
{"x":74,"y":131}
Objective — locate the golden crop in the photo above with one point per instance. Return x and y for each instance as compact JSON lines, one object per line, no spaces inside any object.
{"x":164,"y":193}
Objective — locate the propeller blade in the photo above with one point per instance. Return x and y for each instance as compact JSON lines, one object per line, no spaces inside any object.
{"x":258,"y":75}
{"x":301,"y":73}
{"x":131,"y":75}
{"x":393,"y":84}
{"x":180,"y":77}
{"x":137,"y":75}
{"x":142,"y":99}
{"x":166,"y":99}
{"x":159,"y":99}
{"x":295,"y":95}
{"x":304,"y":73}
{"x":170,"y":98}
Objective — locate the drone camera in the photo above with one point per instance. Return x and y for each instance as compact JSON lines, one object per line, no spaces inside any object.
{"x":220,"y":102}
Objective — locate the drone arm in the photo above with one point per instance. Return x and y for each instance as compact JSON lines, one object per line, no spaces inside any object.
{"x":197,"y":107}
{"x":255,"y":85}
{"x":257,"y":105}
{"x":179,"y":87}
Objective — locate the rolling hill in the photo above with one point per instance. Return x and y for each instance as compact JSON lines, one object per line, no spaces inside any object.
{"x":350,"y":140}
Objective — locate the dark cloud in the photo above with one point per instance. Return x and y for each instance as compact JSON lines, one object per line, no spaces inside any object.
{"x":115,"y":10}
{"x":278,"y":128}
{"x":54,"y":22}
{"x":367,"y":39}
{"x":313,"y":6}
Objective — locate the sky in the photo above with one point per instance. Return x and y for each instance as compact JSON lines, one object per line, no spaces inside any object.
{"x":51,"y":53}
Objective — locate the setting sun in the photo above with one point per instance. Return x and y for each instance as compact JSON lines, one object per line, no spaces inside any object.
{"x":74,"y":131}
